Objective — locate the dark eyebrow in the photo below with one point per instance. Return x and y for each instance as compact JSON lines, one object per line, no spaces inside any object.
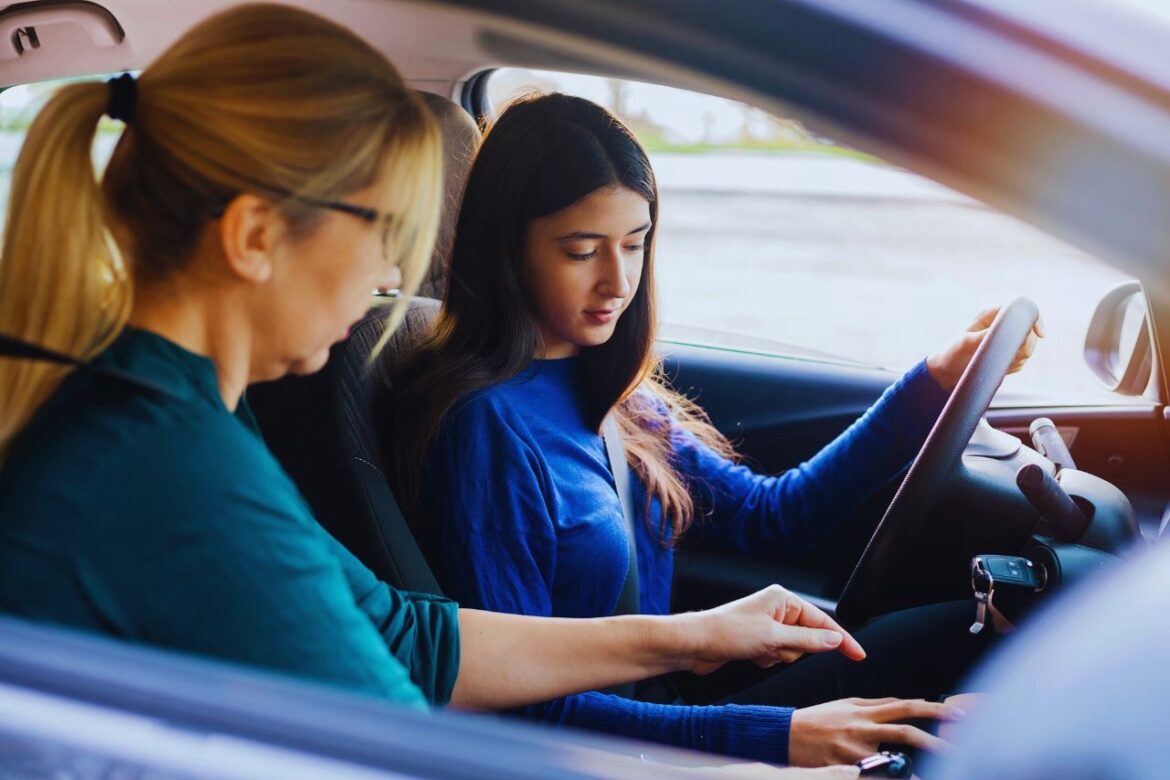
{"x":577,"y":235}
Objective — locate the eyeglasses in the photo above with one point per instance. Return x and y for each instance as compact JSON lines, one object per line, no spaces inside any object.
{"x":364,"y":213}
{"x":373,"y":216}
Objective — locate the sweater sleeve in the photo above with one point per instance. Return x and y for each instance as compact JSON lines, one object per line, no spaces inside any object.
{"x":788,"y":513}
{"x":489,"y":492}
{"x":420,"y":630}
{"x":753,"y":732}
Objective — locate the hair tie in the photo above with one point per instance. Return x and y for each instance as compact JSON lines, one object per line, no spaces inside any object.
{"x":123,"y":97}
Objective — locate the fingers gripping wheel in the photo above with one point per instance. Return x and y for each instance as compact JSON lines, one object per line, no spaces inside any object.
{"x":936,"y":461}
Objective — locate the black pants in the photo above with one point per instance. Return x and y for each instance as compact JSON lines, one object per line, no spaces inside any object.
{"x":919,"y":653}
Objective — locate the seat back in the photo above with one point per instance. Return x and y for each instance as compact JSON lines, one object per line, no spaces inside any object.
{"x":460,"y":141}
{"x":321,"y":427}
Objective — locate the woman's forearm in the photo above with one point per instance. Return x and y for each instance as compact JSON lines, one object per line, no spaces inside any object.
{"x":513,"y":660}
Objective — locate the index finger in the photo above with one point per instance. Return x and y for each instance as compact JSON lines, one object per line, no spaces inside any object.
{"x":811,"y":616}
{"x":907,"y":709}
{"x":983,"y":320}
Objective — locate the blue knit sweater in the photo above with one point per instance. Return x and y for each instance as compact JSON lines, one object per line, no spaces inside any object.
{"x":529,"y":522}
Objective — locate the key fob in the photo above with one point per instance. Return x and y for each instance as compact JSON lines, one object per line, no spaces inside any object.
{"x":885,"y":764}
{"x":1007,"y":582}
{"x":1011,"y":571}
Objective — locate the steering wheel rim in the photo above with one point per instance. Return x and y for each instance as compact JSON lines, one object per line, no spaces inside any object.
{"x":937,"y":459}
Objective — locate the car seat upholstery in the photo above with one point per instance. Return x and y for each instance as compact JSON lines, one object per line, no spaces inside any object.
{"x":321,"y":430}
{"x":320,"y":427}
{"x":460,"y":141}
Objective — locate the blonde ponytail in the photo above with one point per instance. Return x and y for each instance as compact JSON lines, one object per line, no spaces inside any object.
{"x":265,"y":99}
{"x":62,"y":282}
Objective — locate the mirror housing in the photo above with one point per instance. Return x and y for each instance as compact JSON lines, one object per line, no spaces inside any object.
{"x":1119,"y":345}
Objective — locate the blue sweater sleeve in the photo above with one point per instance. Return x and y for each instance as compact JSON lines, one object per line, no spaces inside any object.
{"x":488,"y":490}
{"x":754,"y":732}
{"x":786,"y":514}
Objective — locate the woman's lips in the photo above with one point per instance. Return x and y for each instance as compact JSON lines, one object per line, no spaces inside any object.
{"x":602,"y":316}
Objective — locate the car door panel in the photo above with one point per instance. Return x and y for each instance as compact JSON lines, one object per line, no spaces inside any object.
{"x":779,"y":411}
{"x":1124,"y":444}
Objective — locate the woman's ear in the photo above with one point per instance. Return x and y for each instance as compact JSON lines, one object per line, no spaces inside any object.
{"x":250,"y":231}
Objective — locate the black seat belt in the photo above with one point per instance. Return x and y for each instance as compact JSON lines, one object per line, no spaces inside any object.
{"x":629,"y":601}
{"x":11,"y":347}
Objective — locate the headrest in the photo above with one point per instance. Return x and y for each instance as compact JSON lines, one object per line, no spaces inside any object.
{"x":461,"y":139}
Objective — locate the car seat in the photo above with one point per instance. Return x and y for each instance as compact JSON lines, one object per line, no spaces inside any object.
{"x":320,"y":427}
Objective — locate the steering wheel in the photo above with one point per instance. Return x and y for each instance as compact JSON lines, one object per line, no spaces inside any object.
{"x":936,"y":461}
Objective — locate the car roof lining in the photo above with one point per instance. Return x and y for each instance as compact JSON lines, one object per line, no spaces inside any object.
{"x":436,"y":47}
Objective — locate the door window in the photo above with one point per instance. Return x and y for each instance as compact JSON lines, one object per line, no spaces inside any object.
{"x":772,"y":237}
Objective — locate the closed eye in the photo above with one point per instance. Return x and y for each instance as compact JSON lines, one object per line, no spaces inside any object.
{"x":585,"y":256}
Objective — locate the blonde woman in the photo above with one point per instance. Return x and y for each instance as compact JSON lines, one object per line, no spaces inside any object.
{"x":262,"y":187}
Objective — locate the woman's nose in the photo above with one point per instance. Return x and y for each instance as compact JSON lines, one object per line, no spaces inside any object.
{"x":614,"y":283}
{"x":390,"y":280}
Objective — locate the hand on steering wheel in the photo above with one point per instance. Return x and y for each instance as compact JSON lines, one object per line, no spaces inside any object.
{"x":996,"y":353}
{"x":948,"y":365}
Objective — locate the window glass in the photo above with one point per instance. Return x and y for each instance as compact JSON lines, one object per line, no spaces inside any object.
{"x":19,"y":106}
{"x":772,"y":237}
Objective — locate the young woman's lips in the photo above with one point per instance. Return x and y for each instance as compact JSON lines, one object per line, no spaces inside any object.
{"x":601,"y":316}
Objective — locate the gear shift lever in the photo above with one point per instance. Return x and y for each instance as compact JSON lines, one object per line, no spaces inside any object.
{"x":1048,"y":442}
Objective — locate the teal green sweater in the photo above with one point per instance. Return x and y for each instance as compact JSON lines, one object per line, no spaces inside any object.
{"x":163,"y":518}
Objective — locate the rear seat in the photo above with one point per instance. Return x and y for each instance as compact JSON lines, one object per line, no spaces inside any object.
{"x":320,"y":427}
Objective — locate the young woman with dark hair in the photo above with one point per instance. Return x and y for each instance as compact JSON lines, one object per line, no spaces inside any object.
{"x":547,"y":330}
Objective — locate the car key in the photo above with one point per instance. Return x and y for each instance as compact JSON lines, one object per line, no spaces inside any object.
{"x":981,"y":602}
{"x":885,"y":764}
{"x":992,"y":573}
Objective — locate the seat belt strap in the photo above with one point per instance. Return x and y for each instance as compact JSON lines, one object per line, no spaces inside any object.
{"x":629,"y":602}
{"x":12,"y":347}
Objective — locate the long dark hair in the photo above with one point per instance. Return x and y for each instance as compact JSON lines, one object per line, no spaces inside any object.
{"x":542,"y":155}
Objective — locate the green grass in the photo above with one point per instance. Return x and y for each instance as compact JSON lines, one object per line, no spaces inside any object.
{"x":21,"y":126}
{"x":775,"y":147}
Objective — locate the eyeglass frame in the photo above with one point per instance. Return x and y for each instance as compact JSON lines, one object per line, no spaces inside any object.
{"x":364,"y":213}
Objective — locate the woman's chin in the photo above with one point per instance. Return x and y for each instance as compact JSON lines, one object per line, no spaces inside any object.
{"x":594,"y":337}
{"x":309,"y":365}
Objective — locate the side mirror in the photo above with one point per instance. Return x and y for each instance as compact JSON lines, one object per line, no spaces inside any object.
{"x":1118,"y":347}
